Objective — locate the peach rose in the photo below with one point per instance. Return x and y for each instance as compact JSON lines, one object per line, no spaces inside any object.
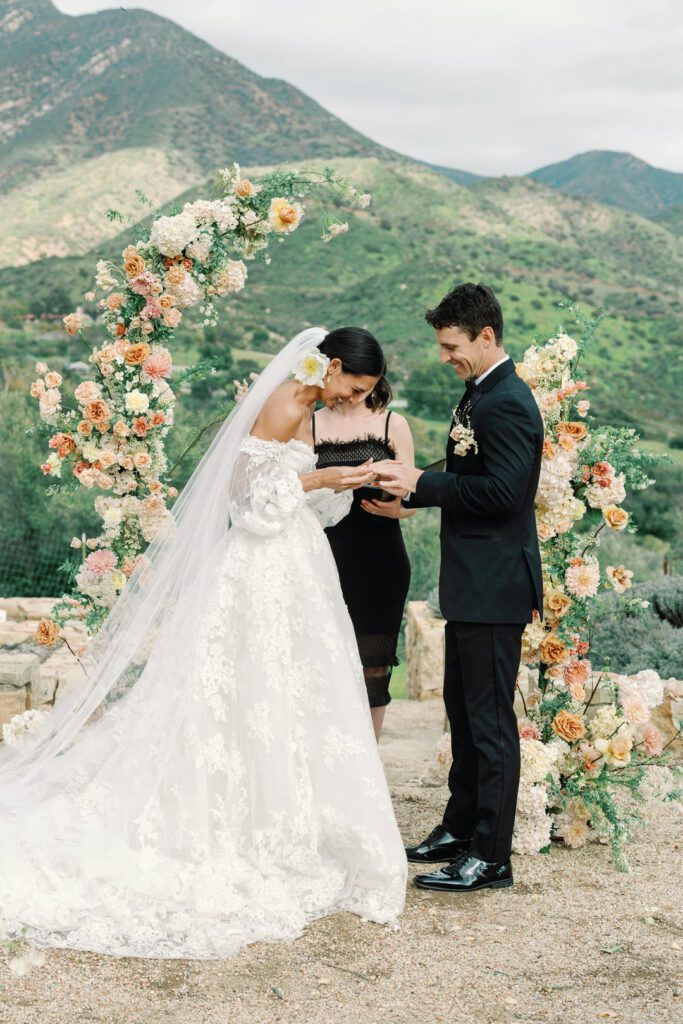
{"x":175,"y":275}
{"x":37,"y":388}
{"x":133,"y":263}
{"x":53,"y":379}
{"x":66,"y":446}
{"x":284,"y":216}
{"x":97,"y":411}
{"x":172,"y":317}
{"x":552,"y":650}
{"x":167,"y":300}
{"x":615,"y":517}
{"x":140,"y":426}
{"x":545,"y":532}
{"x":620,"y":749}
{"x":114,"y":301}
{"x":571,"y":428}
{"x":121,"y":428}
{"x":568,"y":727}
{"x":136,"y":354}
{"x":602,"y":471}
{"x":142,"y":460}
{"x":84,"y":428}
{"x":47,"y":633}
{"x":245,"y":188}
{"x":590,"y":756}
{"x":557,"y":603}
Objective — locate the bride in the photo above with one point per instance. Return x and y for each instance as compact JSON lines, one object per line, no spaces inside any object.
{"x":214,"y":780}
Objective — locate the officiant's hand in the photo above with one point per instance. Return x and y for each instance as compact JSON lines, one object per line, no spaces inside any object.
{"x":389,"y":509}
{"x":397,"y":478}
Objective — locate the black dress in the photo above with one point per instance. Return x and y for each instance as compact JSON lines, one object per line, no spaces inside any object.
{"x":373,"y":564}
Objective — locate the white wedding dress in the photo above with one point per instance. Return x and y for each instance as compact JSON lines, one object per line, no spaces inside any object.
{"x":241,"y":801}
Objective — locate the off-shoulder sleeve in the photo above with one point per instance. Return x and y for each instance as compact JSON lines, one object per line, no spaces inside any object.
{"x":329,"y":506}
{"x":266,"y":492}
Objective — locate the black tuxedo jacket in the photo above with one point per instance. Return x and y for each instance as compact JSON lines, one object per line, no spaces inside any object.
{"x":490,"y":559}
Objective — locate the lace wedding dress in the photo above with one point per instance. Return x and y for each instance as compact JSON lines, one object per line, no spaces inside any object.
{"x":234,"y":793}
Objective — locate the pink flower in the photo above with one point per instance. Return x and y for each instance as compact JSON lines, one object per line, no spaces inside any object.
{"x":152,"y":311}
{"x":101,"y":562}
{"x":635,"y":710}
{"x":653,"y":741}
{"x":583,"y":579}
{"x":88,"y":391}
{"x":527,"y":730}
{"x":577,"y":673}
{"x":158,"y":364}
{"x":143,"y":284}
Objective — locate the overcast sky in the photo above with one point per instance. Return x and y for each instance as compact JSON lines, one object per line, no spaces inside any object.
{"x":491,"y":86}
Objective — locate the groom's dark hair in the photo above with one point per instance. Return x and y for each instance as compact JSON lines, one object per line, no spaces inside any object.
{"x":472,"y":307}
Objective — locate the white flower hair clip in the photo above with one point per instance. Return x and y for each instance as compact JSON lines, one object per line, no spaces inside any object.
{"x":312,"y":369}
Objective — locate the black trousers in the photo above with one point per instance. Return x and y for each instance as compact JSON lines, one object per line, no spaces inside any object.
{"x":479,"y":687}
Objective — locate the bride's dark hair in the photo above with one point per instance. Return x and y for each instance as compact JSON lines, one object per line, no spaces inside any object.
{"x":361,"y":355}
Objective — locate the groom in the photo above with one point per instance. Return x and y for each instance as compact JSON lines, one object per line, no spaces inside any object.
{"x":490,"y":584}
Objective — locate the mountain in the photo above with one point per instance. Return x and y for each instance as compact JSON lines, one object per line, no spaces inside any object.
{"x":462,"y":177}
{"x":619,"y":179}
{"x":122,"y":95}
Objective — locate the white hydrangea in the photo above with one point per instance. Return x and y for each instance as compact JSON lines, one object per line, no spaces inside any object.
{"x":137,"y":402}
{"x":565,"y":347}
{"x":187,"y":293}
{"x":605,"y":722}
{"x":172,"y":234}
{"x":554,"y":485}
{"x":200,"y":248}
{"x":21,"y":725}
{"x":236,"y":275}
{"x":600,"y":497}
{"x":532,"y":834}
{"x":657,"y":783}
{"x":646,"y":684}
{"x":532,"y":800}
{"x":538,"y":760}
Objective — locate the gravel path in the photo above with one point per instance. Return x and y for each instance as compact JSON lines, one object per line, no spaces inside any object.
{"x":573,"y":942}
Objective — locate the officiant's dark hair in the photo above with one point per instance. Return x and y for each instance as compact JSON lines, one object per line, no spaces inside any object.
{"x":361,"y":355}
{"x":472,"y":307}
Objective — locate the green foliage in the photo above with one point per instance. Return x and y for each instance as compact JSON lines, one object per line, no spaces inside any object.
{"x":626,"y":638}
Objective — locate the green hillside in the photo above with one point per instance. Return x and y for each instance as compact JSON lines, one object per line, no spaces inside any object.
{"x":75,"y":88}
{"x":619,"y":179}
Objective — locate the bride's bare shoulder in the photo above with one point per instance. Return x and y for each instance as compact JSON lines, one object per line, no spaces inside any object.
{"x":280,"y":417}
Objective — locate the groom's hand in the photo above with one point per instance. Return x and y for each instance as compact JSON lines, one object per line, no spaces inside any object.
{"x":397,"y":478}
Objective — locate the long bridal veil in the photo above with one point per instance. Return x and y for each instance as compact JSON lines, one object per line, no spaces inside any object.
{"x":147,"y":639}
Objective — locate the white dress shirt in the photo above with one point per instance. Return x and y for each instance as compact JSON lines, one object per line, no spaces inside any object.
{"x":491,"y":369}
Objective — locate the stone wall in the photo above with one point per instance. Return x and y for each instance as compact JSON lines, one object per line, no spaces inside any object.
{"x":31,"y":675}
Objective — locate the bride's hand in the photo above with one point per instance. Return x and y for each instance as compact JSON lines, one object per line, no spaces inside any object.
{"x":345,"y":478}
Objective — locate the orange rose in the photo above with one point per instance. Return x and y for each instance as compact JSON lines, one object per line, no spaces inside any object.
{"x":552,"y":650}
{"x":577,"y":431}
{"x":568,"y":727}
{"x":615,"y":517}
{"x":133,"y":263}
{"x":136,"y":354}
{"x":97,"y":411}
{"x":84,"y":428}
{"x":47,"y":632}
{"x":167,"y":301}
{"x":188,"y":264}
{"x":66,"y":446}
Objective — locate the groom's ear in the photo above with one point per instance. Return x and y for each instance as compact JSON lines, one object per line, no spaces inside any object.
{"x":488,"y":337}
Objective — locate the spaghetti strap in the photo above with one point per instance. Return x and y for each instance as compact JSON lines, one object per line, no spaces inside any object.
{"x":313,"y":426}
{"x":386,"y":428}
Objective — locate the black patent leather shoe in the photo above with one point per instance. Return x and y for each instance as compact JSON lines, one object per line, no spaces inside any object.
{"x":439,"y":845}
{"x":467,"y":874}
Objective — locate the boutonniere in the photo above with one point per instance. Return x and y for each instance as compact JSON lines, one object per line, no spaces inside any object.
{"x":463,"y":436}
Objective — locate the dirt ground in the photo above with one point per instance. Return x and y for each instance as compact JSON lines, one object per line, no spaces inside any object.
{"x":573,"y":941}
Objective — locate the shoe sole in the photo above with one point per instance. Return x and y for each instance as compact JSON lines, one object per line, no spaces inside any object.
{"x":446,"y":857}
{"x":503,"y":883}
